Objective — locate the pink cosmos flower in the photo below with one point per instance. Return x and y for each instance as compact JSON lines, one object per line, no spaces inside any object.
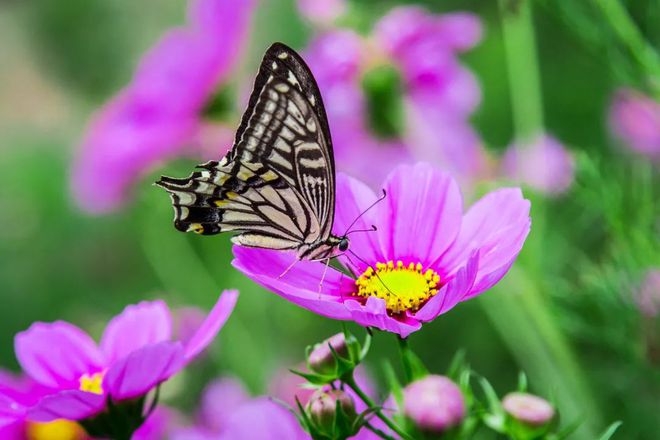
{"x":425,"y":257}
{"x":544,"y":165}
{"x":635,"y":120}
{"x":135,"y":355}
{"x":158,"y":115}
{"x":437,"y":92}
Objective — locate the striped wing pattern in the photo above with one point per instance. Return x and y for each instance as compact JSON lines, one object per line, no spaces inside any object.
{"x":276,"y":186}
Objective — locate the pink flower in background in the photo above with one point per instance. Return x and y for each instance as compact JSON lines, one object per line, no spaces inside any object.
{"x":135,"y":355}
{"x":322,"y":12}
{"x":543,"y":164}
{"x":635,"y":120}
{"x":158,"y":115}
{"x":437,"y":93}
{"x":227,"y":412}
{"x":648,"y":296}
{"x":425,"y":257}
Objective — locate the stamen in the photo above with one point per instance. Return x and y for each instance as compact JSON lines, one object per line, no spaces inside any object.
{"x":92,"y":383}
{"x":403,"y":287}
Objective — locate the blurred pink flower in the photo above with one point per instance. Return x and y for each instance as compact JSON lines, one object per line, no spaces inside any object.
{"x":635,"y":120}
{"x":135,"y":355}
{"x":227,"y":412}
{"x":648,"y":296}
{"x":425,"y":249}
{"x":438,"y":93}
{"x":158,"y":425}
{"x":322,"y":12}
{"x":158,"y":115}
{"x":543,"y":164}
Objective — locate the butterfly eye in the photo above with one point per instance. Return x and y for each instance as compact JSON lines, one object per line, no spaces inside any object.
{"x":343,"y":244}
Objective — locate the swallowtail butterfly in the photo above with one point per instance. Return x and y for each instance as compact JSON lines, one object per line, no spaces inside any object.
{"x":276,"y":186}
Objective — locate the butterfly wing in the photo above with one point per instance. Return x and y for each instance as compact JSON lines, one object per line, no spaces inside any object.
{"x":276,"y":186}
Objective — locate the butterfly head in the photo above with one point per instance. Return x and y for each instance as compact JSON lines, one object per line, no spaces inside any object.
{"x":343,"y":244}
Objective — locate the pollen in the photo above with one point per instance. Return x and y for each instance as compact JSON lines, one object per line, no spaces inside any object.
{"x":58,"y":429}
{"x":92,"y":383}
{"x":404,"y":287}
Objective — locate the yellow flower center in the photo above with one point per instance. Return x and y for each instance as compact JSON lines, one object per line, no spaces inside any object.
{"x":92,"y":383}
{"x":402,"y":287}
{"x":57,"y":430}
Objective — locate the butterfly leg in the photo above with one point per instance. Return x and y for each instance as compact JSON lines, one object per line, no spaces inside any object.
{"x":289,"y":267}
{"x":325,"y":271}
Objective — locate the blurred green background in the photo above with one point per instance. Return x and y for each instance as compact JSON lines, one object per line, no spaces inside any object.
{"x":565,"y":314}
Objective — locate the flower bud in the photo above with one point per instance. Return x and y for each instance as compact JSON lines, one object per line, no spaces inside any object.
{"x":528,"y":409}
{"x":331,"y":411}
{"x":434,"y":403}
{"x":321,"y":360}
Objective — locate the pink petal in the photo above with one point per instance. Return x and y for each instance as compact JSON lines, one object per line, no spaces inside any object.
{"x":374,"y":314}
{"x":262,"y":419}
{"x":422,"y":216}
{"x":143,"y":370}
{"x":212,"y":325}
{"x":635,"y":119}
{"x":497,"y":226}
{"x":219,"y":400}
{"x":300,"y":285}
{"x":57,"y":354}
{"x":224,"y":25}
{"x":459,"y":30}
{"x":451,"y":293}
{"x":10,"y":412}
{"x":402,"y":27}
{"x":544,"y":164}
{"x":138,"y":325}
{"x":69,"y":404}
{"x":353,"y":198}
{"x":13,"y":431}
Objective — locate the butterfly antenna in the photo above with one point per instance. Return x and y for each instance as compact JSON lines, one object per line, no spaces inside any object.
{"x":373,"y":228}
{"x":380,"y":199}
{"x":375,"y":273}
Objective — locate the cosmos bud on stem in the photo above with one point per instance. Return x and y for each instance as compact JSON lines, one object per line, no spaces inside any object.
{"x":332,"y":414}
{"x":434,"y":404}
{"x":528,"y":409}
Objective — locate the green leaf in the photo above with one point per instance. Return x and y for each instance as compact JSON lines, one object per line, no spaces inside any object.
{"x":457,"y":365}
{"x":522,"y":382}
{"x":413,"y":367}
{"x":609,"y":432}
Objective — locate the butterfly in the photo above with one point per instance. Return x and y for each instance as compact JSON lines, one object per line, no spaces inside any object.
{"x":276,"y":186}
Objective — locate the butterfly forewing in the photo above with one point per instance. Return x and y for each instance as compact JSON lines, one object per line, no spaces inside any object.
{"x":276,"y":186}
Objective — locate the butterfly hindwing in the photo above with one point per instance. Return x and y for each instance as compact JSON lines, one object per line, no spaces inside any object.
{"x":276,"y":186}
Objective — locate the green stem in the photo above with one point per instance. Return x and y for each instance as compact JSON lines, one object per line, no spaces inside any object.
{"x":378,"y":432}
{"x":626,"y":29}
{"x":522,"y":68}
{"x":404,"y":348}
{"x":350,"y":381}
